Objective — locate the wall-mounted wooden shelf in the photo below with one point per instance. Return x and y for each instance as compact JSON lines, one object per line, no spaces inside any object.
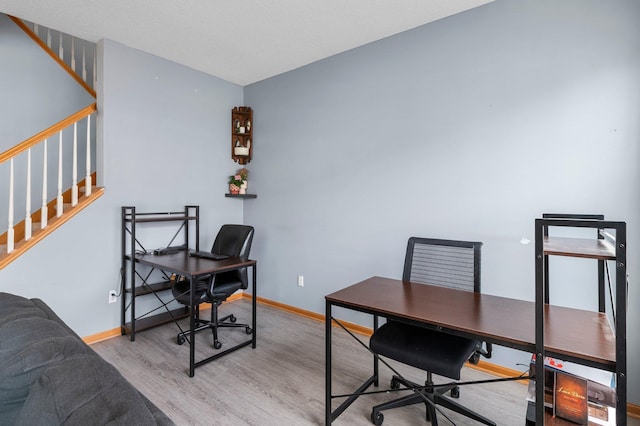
{"x":241,"y":134}
{"x":241,"y":195}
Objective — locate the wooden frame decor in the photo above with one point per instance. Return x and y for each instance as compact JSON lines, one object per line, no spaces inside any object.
{"x":241,"y":134}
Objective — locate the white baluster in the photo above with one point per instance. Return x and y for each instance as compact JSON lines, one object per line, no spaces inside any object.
{"x":74,"y":182}
{"x":35,"y":29}
{"x":10,"y":236}
{"x":49,"y":38}
{"x":95,"y":64}
{"x":59,"y":204}
{"x":44,"y":210}
{"x":84,"y":64}
{"x":27,"y":215}
{"x":87,"y":180}
{"x":61,"y":48}
{"x":73,"y":54}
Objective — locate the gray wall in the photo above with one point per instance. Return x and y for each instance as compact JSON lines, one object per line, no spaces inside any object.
{"x":164,"y":138}
{"x":466,"y":128}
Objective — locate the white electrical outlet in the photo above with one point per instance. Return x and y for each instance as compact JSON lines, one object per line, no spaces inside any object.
{"x":113,"y":298}
{"x":300,"y":280}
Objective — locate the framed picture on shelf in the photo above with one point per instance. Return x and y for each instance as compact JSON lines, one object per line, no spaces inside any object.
{"x":570,"y":398}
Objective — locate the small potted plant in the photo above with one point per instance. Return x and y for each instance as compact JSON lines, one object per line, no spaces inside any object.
{"x":235,"y":182}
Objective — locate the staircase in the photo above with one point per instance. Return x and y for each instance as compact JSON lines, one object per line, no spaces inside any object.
{"x":54,"y":156}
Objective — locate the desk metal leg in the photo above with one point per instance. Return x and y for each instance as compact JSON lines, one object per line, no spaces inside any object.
{"x":330,"y":416}
{"x":253,"y":301}
{"x":375,"y":357}
{"x":252,"y":341}
{"x":132,"y":310}
{"x":327,"y":363}
{"x":192,"y":328}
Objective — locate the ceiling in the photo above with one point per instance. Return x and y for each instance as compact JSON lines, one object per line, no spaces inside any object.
{"x":241,"y":41}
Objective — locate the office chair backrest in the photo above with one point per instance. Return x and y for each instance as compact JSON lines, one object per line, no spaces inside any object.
{"x":235,"y":241}
{"x":445,"y":263}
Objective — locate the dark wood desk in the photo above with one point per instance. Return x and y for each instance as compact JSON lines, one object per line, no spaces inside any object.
{"x":570,"y":334}
{"x":192,"y":268}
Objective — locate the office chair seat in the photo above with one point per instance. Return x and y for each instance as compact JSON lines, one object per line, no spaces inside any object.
{"x":181,"y":289}
{"x":430,"y":350}
{"x":225,"y":285}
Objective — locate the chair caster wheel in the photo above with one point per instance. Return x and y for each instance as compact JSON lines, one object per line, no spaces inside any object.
{"x":395,"y":383}
{"x":233,"y":319}
{"x":248,"y":330}
{"x":377,"y":418}
{"x":217,"y":344}
{"x":180,"y":340}
{"x":455,"y":392}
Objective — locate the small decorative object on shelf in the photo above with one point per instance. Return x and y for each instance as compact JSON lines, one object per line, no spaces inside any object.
{"x":241,"y":134}
{"x":570,"y":398}
{"x":238,"y":182}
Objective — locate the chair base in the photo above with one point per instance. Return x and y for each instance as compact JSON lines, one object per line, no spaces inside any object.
{"x":228,"y":321}
{"x":429,"y":396}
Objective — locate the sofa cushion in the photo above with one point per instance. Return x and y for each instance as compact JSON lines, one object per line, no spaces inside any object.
{"x":28,"y":346}
{"x":13,"y":307}
{"x":82,"y":390}
{"x":49,"y":314}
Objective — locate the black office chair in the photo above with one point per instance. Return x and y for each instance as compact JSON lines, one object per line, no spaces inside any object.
{"x":453,"y":264}
{"x":233,"y":241}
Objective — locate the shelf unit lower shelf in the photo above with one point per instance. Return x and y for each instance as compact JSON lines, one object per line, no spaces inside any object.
{"x":549,"y":418}
{"x":156,"y":320}
{"x":151,"y":288}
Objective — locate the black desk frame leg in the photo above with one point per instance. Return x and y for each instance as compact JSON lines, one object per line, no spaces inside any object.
{"x":330,"y":416}
{"x":192,"y":329}
{"x":254,"y":307}
{"x":375,"y":356}
{"x":327,"y":367}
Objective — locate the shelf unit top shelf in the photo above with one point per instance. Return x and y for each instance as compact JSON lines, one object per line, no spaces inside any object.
{"x":167,"y":217}
{"x":601,"y":249}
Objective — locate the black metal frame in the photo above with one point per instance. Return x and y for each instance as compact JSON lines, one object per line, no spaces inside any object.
{"x":601,"y":278}
{"x":542,"y":298}
{"x":130,"y":219}
{"x":193,"y":277}
{"x":331,"y":415}
{"x":193,"y":364}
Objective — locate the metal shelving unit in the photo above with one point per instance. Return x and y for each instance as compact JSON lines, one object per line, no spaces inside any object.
{"x":609,"y":353}
{"x":134,"y":284}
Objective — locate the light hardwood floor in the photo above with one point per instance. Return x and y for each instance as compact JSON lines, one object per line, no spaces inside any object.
{"x":281,"y":382}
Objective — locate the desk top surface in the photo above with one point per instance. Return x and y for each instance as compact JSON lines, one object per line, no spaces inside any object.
{"x":509,"y":322}
{"x":183,"y":264}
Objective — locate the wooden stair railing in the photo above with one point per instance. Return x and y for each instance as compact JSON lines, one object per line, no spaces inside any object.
{"x":40,"y":222}
{"x":81,"y":77}
{"x":19,"y":238}
{"x":22,"y":246}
